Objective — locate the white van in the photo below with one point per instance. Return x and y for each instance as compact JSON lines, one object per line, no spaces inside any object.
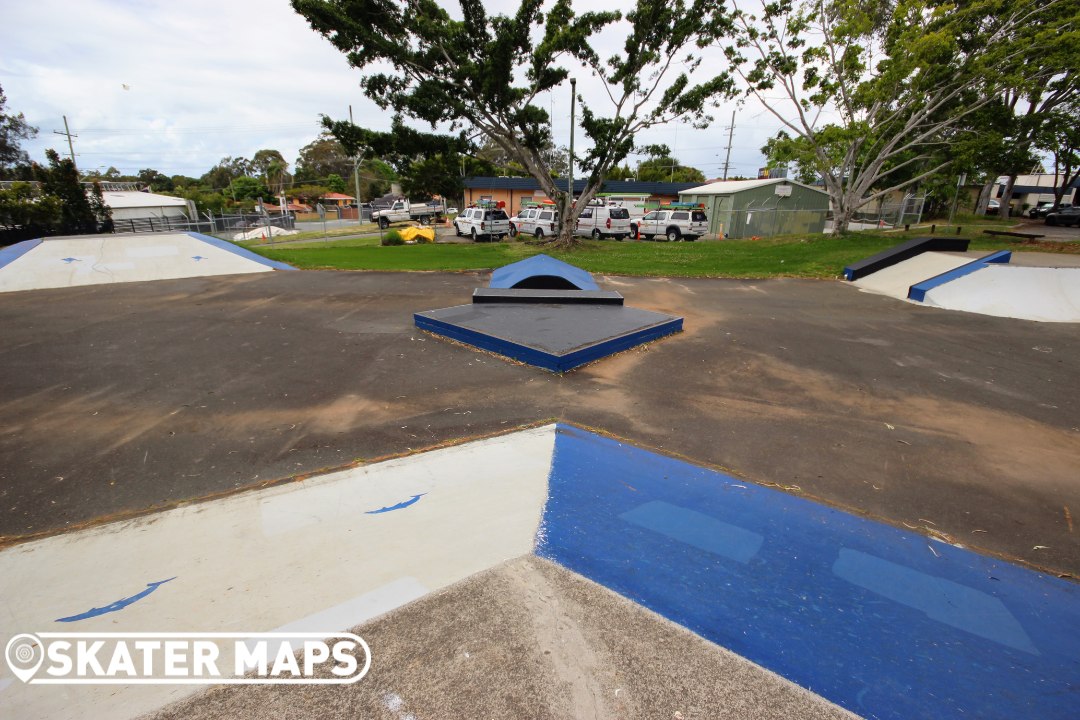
{"x":674,"y":224}
{"x":604,"y":221}
{"x":538,"y":221}
{"x":486,"y":223}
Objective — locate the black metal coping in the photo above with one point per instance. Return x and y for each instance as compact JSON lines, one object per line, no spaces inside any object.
{"x":903,"y":251}
{"x":560,"y":297}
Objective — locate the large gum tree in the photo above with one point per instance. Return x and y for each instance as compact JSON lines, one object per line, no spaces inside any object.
{"x":870,"y":94}
{"x":483,"y":74}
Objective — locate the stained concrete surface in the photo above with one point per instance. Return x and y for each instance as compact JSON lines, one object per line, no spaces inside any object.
{"x":528,"y":640}
{"x":116,"y":399}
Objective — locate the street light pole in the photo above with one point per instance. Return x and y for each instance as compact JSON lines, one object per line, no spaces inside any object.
{"x":570,"y":179}
{"x":356,"y":172}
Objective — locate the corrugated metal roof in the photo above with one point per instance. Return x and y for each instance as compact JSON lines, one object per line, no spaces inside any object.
{"x":729,"y":187}
{"x":613,"y":186}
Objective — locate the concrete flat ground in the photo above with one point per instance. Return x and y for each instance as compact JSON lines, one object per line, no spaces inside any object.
{"x":119,"y":399}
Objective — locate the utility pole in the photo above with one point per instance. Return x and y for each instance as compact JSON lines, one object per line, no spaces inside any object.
{"x":731,"y":131}
{"x":570,"y":180}
{"x":356,"y":171}
{"x":67,"y":131}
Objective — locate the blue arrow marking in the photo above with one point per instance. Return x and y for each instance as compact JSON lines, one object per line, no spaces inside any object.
{"x":400,"y":506}
{"x":71,"y":260}
{"x":118,"y":605}
{"x":197,"y":258}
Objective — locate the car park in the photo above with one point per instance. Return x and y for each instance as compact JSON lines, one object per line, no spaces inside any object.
{"x":1069,"y":215}
{"x":482,"y":223}
{"x":538,"y":221}
{"x":604,"y":221}
{"x":673,"y":223}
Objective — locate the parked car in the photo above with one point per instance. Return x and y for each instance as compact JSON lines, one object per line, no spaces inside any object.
{"x":538,"y":221}
{"x":604,"y":221}
{"x":452,"y":211}
{"x":1065,"y":216}
{"x":486,"y":223}
{"x":1040,"y":209}
{"x":674,"y":224}
{"x":1045,"y":210}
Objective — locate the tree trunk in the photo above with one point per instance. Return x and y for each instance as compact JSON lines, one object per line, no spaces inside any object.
{"x":1006,"y":196}
{"x":984,"y":197}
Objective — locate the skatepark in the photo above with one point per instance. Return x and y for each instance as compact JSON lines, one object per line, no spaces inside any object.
{"x":807,"y":501}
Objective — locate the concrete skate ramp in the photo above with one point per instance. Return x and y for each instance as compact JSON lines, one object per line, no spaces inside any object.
{"x":541,"y":272}
{"x":100,"y":259}
{"x":896,"y":280}
{"x":902,"y":252}
{"x":1046,"y":294}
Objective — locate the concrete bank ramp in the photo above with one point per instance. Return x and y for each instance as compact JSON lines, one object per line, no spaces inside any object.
{"x":101,"y":259}
{"x":896,"y":280}
{"x":1046,"y":294}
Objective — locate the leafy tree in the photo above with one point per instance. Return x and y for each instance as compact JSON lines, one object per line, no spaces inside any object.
{"x":664,"y":168}
{"x":77,"y":212}
{"x":157,"y":181}
{"x":221,"y":175}
{"x":248,"y":188}
{"x":483,"y":74}
{"x":308,"y":194}
{"x":23,"y":205}
{"x":868,"y":92}
{"x":321,"y":157}
{"x":1060,"y":136}
{"x":13,"y":129}
{"x":335,"y":183}
{"x":272,"y":166}
{"x":61,"y":181}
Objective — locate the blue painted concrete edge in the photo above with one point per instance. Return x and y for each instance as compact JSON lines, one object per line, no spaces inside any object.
{"x":918,"y":291}
{"x":539,"y":358}
{"x":12,"y":253}
{"x":242,"y":252}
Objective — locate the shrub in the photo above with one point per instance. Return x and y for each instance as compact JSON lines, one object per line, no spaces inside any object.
{"x":393,"y":237}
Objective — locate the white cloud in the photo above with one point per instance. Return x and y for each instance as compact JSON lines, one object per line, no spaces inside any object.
{"x":209,"y":79}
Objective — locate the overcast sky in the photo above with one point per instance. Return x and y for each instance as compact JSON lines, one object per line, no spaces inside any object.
{"x":176,"y":86}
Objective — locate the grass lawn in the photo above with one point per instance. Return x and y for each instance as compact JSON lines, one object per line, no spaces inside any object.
{"x":816,"y":256}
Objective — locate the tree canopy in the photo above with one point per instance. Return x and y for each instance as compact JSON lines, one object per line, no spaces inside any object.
{"x":13,"y":130}
{"x":869,"y":93}
{"x":481,"y":75}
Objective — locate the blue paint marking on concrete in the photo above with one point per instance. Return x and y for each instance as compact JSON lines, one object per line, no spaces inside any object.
{"x":960,"y":606}
{"x":118,"y":605}
{"x":400,"y":506}
{"x":197,"y":258}
{"x":70,"y":260}
{"x":694,"y":528}
{"x":918,"y":291}
{"x":511,"y":275}
{"x":241,"y":251}
{"x":860,"y":612}
{"x":11,"y":253}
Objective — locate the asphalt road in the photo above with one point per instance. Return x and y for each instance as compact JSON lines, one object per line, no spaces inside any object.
{"x":119,"y":399}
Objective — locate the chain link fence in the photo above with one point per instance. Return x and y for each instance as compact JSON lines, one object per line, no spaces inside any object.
{"x":210,"y":224}
{"x":767,"y":222}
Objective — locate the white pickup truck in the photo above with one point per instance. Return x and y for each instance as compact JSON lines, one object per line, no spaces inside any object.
{"x":403,"y":210}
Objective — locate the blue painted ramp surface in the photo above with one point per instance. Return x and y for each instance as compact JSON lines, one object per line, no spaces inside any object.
{"x":886,"y":623}
{"x":541,"y":268}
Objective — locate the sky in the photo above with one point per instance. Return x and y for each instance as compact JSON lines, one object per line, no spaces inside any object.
{"x":177,"y":86}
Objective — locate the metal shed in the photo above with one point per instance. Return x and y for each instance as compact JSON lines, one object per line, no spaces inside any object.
{"x":760,"y":208}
